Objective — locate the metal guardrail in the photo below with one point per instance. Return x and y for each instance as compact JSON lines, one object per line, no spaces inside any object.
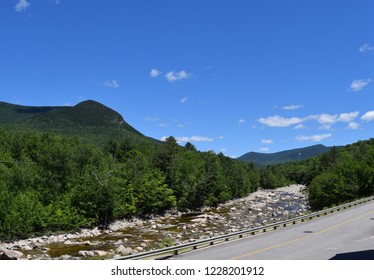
{"x":175,"y":250}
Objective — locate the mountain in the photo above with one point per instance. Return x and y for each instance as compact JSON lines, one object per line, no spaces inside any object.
{"x":261,"y":159}
{"x":89,"y":119}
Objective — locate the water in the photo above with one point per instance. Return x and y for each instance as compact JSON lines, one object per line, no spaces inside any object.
{"x":172,"y":230}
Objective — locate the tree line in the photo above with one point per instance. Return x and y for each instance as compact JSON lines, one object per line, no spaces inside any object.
{"x":52,"y":183}
{"x":338,"y":176}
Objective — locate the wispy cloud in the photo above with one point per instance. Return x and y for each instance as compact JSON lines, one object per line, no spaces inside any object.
{"x":348,"y":117}
{"x":325,"y":120}
{"x":369,"y":116}
{"x":183,"y":100}
{"x":358,"y":85}
{"x":278,"y":121}
{"x":177,"y":76}
{"x":185,"y":139}
{"x":264,"y":149}
{"x":242,"y":122}
{"x":353,"y":126}
{"x":292,"y":107}
{"x":22,"y":5}
{"x":267,"y":141}
{"x":314,"y":138}
{"x":366,"y":48}
{"x":155,"y":73}
{"x":152,"y":119}
{"x":111,"y":84}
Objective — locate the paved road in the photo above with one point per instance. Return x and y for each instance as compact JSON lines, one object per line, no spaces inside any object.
{"x":331,"y":236}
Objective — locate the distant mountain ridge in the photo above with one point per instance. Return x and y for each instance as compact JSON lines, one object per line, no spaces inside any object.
{"x":262,"y":159}
{"x":89,"y":119}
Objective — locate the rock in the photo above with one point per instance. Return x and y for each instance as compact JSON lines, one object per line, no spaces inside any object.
{"x":139,"y":223}
{"x":96,"y":232}
{"x":27,"y":248}
{"x":66,"y":257}
{"x":86,"y":254}
{"x":101,"y":253}
{"x":124,"y":251}
{"x":11,"y":255}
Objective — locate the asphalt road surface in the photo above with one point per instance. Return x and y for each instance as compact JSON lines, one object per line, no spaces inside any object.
{"x":348,"y":234}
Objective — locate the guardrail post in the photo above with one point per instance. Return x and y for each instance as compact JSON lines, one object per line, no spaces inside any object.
{"x":176,"y":253}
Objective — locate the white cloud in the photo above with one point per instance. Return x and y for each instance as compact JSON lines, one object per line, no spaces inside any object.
{"x":326,"y":120}
{"x":348,"y":117}
{"x":111,"y":84}
{"x":278,"y":121}
{"x":185,"y":139}
{"x":155,"y":73}
{"x":369,"y":116}
{"x":152,"y":119}
{"x":353,"y":125}
{"x":264,"y":149}
{"x":22,"y":5}
{"x":267,"y":141}
{"x":183,"y":100}
{"x":358,"y":85}
{"x":366,"y":48}
{"x":314,"y":138}
{"x":292,"y":107}
{"x":221,"y":137}
{"x":242,"y":122}
{"x":177,"y":76}
{"x":162,"y":124}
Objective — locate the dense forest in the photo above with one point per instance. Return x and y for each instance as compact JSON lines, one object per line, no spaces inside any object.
{"x":54,"y":183}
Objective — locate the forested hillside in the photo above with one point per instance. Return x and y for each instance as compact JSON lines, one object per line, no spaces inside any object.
{"x":90,"y":120}
{"x":264,"y":159}
{"x":52,"y":183}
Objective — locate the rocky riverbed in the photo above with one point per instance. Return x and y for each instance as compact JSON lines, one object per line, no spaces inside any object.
{"x":136,"y":235}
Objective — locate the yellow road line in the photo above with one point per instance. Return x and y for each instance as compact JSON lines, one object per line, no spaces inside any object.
{"x":301,"y":238}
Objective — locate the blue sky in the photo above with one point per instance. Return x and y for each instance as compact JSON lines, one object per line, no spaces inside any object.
{"x":229,"y":76}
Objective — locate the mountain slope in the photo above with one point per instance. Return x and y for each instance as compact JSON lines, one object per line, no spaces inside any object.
{"x":261,"y":159}
{"x":89,"y":119}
